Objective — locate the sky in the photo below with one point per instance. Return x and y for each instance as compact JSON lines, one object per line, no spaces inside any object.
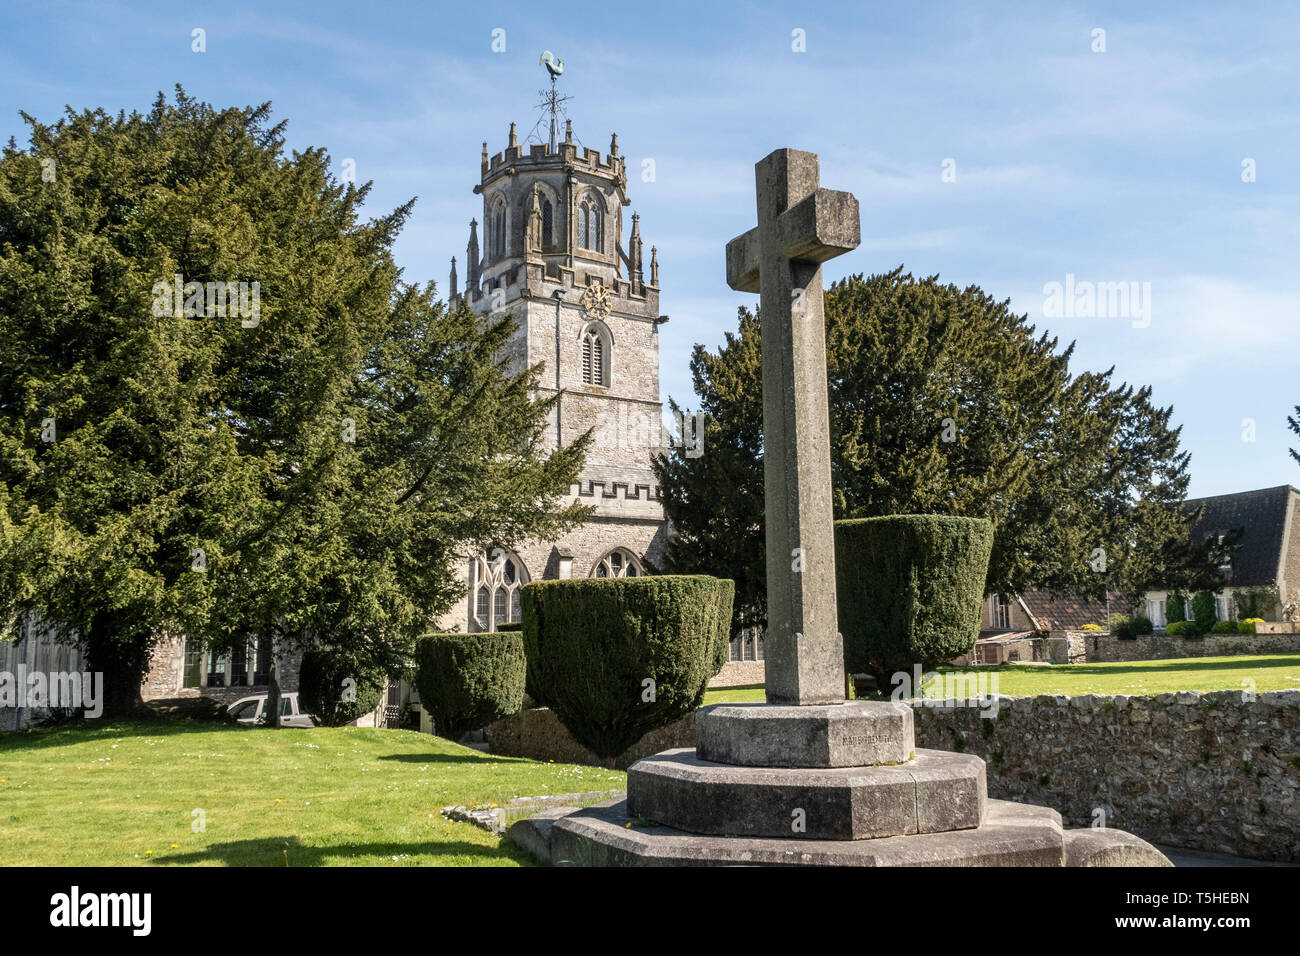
{"x":1010,"y":146}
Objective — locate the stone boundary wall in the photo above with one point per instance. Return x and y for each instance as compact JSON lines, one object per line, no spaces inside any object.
{"x":740,"y":674}
{"x":1097,"y":648}
{"x":1216,"y":771}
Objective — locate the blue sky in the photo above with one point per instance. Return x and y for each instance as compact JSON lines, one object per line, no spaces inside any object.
{"x":1115,"y":166}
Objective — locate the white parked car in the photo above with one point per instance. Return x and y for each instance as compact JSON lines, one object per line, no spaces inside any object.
{"x":252,"y":710}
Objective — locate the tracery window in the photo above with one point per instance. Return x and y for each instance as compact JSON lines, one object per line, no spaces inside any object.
{"x":497,"y":231}
{"x":495,"y":582}
{"x":589,"y":225}
{"x":618,"y":563}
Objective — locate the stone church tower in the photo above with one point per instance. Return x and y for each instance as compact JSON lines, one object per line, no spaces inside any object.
{"x":553,"y":254}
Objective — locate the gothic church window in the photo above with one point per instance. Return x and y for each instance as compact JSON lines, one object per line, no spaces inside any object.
{"x":619,"y":563}
{"x":597,"y":348}
{"x":589,"y":225}
{"x":497,"y":231}
{"x":495,"y":582}
{"x":548,"y":225}
{"x":593,"y":359}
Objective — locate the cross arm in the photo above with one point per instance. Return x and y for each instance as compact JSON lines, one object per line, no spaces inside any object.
{"x":823,"y":225}
{"x":742,"y":261}
{"x":820,"y":226}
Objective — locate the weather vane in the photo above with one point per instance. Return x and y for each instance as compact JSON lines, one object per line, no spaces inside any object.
{"x":552,"y":104}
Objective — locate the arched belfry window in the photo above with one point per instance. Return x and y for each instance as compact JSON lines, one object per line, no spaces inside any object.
{"x":596,"y":349}
{"x":497,"y":231}
{"x":495,"y":581}
{"x":619,"y":563}
{"x":548,"y":225}
{"x":589,"y":225}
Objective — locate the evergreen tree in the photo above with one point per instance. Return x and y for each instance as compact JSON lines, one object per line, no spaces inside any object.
{"x":1293,"y":423}
{"x":309,"y":469}
{"x":943,"y":401}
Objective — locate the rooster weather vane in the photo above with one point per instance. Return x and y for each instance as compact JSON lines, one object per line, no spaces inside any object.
{"x":552,"y":103}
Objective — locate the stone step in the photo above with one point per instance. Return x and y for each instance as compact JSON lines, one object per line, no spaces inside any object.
{"x":937,"y":791}
{"x":1012,"y":834}
{"x":856,"y":733}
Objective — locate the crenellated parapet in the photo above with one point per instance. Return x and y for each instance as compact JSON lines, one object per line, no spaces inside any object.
{"x":631,"y":499}
{"x":569,"y":158}
{"x":540,"y":280}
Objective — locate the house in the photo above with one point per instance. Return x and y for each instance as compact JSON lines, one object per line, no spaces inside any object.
{"x":1010,"y":628}
{"x":1039,"y":612}
{"x":1263,"y":572}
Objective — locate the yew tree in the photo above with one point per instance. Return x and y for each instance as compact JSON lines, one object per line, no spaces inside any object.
{"x":943,"y":401}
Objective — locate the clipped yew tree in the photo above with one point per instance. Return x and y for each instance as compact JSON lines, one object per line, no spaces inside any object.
{"x":909,"y":589}
{"x":615,"y":658}
{"x":335,"y":689}
{"x":466,"y":681}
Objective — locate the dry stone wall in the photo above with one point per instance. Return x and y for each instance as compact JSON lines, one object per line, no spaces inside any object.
{"x":1217,"y":771}
{"x":1101,"y":648}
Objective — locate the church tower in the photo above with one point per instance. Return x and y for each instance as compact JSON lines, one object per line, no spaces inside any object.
{"x":554,"y":256}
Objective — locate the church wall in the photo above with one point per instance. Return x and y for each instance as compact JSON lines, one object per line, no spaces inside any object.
{"x":587,"y":545}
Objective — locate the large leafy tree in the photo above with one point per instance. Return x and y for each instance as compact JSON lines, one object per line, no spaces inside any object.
{"x":309,"y":471}
{"x":943,"y":401}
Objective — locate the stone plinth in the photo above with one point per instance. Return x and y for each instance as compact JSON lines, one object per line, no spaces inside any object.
{"x":935,"y":791}
{"x":1012,"y":834}
{"x":852,"y":734}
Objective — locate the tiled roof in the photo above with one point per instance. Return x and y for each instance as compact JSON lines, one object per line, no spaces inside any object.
{"x":989,"y":636}
{"x":1056,"y":612}
{"x":1260,"y":516}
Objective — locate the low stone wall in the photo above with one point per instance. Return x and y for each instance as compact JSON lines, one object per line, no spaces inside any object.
{"x":537,"y":733}
{"x":740,"y":673}
{"x":1101,"y":648}
{"x":1217,"y":771}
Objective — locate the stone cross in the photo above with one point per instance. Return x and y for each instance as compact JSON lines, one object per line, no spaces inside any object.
{"x":800,"y":226}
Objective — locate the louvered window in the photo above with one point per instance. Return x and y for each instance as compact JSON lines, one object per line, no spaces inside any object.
{"x":593,"y":359}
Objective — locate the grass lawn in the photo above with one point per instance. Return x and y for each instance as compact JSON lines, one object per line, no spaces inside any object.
{"x":1269,"y":672}
{"x":124,"y":794}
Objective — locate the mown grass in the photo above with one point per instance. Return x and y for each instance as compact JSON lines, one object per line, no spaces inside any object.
{"x":1267,"y":671}
{"x":124,"y":794}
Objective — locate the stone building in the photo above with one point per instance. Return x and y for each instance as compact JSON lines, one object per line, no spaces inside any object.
{"x":587,"y":307}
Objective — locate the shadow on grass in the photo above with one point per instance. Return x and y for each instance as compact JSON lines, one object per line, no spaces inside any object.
{"x":474,"y":757}
{"x":288,"y":851}
{"x":70,"y":732}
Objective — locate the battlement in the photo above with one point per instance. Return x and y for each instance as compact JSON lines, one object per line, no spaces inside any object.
{"x":568,"y":158}
{"x":533,"y":279}
{"x":616,"y":491}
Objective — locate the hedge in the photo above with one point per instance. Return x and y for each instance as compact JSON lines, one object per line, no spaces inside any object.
{"x":615,"y":658}
{"x":466,"y":681}
{"x":1225,"y":627}
{"x":1175,"y":609}
{"x":1204,"y":612}
{"x":909,"y":590}
{"x":1121,"y":626}
{"x":321,"y":687}
{"x":1182,"y":629}
{"x":1247,"y":625}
